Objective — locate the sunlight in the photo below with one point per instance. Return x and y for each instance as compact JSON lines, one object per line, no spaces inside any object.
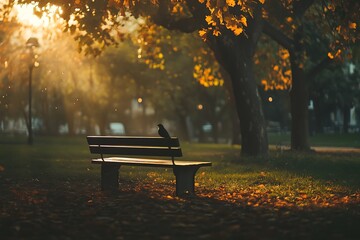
{"x":35,"y":21}
{"x":25,"y":14}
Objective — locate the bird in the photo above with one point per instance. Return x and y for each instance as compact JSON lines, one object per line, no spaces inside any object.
{"x":164,"y":133}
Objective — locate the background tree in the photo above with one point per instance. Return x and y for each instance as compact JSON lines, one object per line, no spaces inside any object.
{"x":336,"y":88}
{"x":173,"y":55}
{"x":294,"y":20}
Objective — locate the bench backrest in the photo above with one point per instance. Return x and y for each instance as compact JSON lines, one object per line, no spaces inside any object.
{"x":134,"y":146}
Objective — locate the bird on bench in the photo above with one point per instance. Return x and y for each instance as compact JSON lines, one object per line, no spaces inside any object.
{"x":164,"y":133}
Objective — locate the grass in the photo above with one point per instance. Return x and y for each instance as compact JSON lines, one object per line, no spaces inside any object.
{"x":332,"y":140}
{"x":316,"y":192}
{"x":65,"y":157}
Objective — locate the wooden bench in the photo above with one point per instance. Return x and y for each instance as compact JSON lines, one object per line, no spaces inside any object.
{"x":159,"y":152}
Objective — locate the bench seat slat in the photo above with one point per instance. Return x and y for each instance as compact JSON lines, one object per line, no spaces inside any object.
{"x":149,"y":162}
{"x":135,"y":150}
{"x":132,"y":141}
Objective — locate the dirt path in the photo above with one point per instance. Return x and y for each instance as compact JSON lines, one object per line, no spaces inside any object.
{"x":337,"y":149}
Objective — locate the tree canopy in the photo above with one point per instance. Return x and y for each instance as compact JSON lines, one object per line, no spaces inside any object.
{"x":232,"y":30}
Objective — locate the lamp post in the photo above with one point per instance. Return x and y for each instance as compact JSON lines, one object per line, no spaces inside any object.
{"x":31,"y":43}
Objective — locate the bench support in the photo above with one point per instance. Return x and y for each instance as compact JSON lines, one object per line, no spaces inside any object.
{"x":185,"y":176}
{"x":110,"y":176}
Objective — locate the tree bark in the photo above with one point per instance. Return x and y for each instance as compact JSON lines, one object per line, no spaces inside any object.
{"x":346,"y":118}
{"x":299,"y":98}
{"x":183,"y":131}
{"x":235,"y":54}
{"x":318,"y":115}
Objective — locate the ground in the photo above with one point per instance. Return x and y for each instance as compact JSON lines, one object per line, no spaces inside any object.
{"x":44,"y":197}
{"x":69,"y":210}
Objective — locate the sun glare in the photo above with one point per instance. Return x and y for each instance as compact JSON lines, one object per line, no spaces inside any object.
{"x":25,"y":14}
{"x":37,"y":22}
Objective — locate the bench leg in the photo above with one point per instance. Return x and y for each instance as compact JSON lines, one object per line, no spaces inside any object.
{"x":110,"y":176}
{"x":185,"y":176}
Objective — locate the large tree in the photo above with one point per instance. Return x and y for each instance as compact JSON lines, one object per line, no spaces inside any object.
{"x":293,"y":25}
{"x":221,"y":23}
{"x":232,"y":29}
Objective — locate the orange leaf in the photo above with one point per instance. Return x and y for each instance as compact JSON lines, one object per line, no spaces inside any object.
{"x":243,"y":21}
{"x":202,"y":33}
{"x":238,"y":31}
{"x":230,"y":3}
{"x":330,"y":55}
{"x":352,"y":25}
{"x":216,"y":32}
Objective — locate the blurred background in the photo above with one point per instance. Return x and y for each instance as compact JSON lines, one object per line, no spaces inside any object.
{"x":51,"y":86}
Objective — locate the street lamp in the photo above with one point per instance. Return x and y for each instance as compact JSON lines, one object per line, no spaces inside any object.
{"x":31,"y":43}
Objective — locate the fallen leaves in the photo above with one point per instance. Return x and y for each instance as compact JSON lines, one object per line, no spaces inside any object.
{"x":34,"y":196}
{"x":149,"y":209}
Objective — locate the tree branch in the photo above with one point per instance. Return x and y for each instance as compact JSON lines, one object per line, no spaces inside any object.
{"x":300,"y":7}
{"x":324,"y":63}
{"x":186,"y":25}
{"x":277,"y":10}
{"x":278,"y":36}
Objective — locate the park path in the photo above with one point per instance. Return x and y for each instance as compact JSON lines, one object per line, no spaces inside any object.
{"x":337,"y":149}
{"x":325,"y":149}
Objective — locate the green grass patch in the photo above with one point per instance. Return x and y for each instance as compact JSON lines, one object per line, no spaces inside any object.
{"x":332,"y":140}
{"x":284,"y":173}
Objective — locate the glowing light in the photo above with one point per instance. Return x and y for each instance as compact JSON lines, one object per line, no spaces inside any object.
{"x":37,"y":21}
{"x":25,"y":14}
{"x":200,"y":107}
{"x":270,"y":99}
{"x":140,"y":100}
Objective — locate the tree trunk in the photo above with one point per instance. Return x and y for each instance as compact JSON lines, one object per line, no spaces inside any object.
{"x":215,"y":131}
{"x":181,"y":115}
{"x":299,"y":96}
{"x":235,"y":54}
{"x":235,"y":123}
{"x":70,"y":122}
{"x":299,"y":99}
{"x":103,"y":121}
{"x":70,"y":119}
{"x":346,"y":119}
{"x":184,"y":132}
{"x":318,"y":115}
{"x":235,"y":136}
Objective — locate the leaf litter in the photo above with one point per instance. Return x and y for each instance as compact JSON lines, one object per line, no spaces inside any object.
{"x":150,"y":210}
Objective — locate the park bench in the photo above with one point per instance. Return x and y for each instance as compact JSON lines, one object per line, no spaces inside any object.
{"x":142,"y":151}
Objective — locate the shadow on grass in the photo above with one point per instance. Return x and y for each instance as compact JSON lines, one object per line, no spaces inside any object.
{"x":341,"y":168}
{"x":73,"y":210}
